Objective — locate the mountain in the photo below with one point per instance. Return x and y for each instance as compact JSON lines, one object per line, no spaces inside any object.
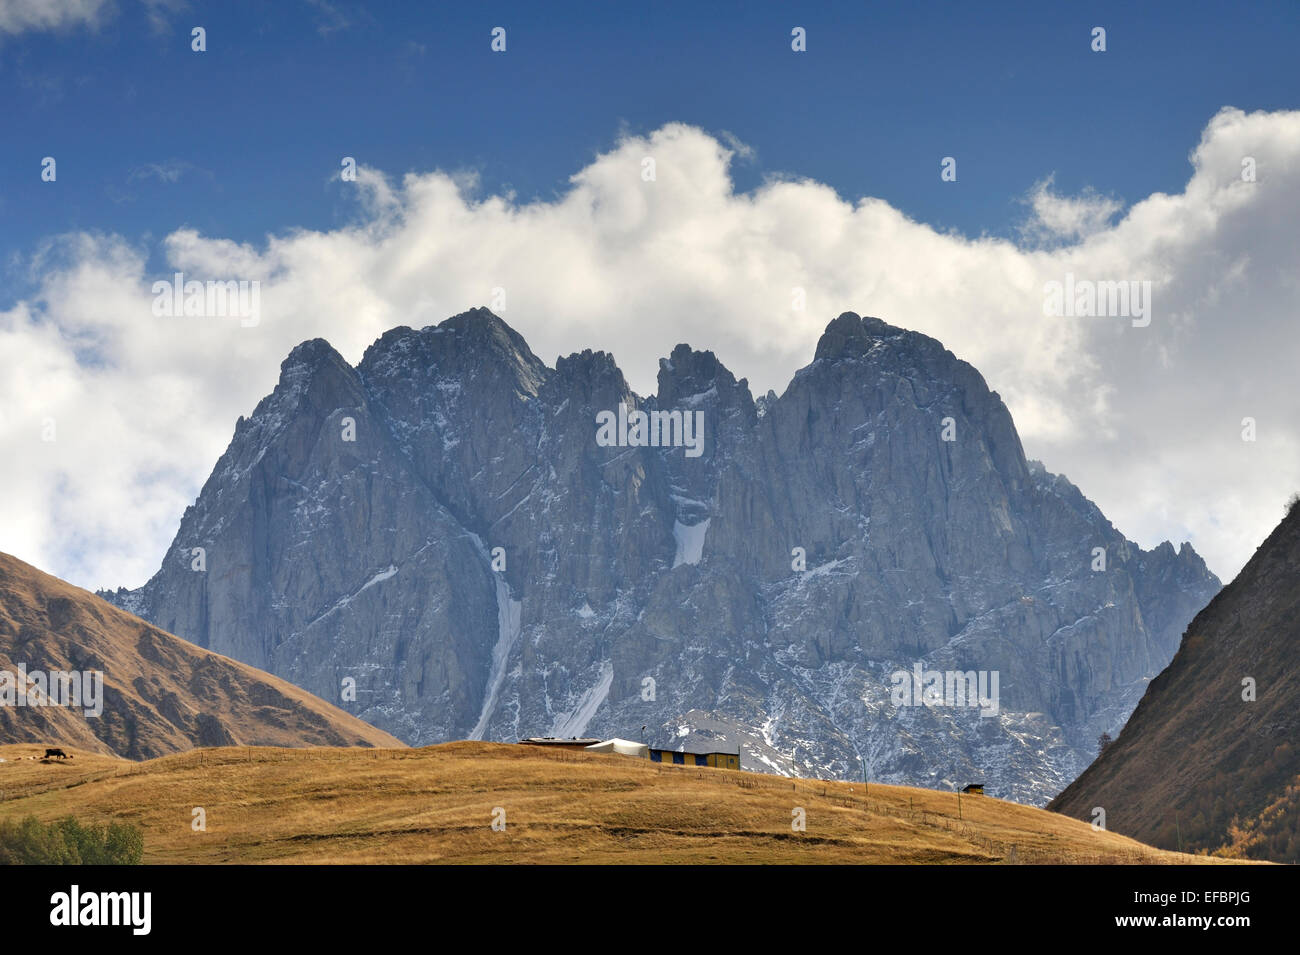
{"x":1199,"y":761}
{"x":156,"y":694}
{"x":448,"y":525}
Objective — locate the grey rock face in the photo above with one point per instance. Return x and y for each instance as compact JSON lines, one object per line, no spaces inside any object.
{"x":642,"y":586}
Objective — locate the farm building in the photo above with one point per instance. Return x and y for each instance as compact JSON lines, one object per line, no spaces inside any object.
{"x":559,"y":742}
{"x":696,"y":756}
{"x":974,"y":789}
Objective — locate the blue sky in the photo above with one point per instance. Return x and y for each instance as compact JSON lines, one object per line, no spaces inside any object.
{"x":242,"y":140}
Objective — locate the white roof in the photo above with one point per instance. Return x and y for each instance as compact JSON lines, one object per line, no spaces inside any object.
{"x":623,"y":747}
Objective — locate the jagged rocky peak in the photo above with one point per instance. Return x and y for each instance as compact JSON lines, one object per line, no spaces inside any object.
{"x":480,"y":563}
{"x":1182,"y":561}
{"x":309,"y":354}
{"x":462,"y":347}
{"x":1187,"y":555}
{"x":592,"y":379}
{"x":851,"y":335}
{"x":313,"y":373}
{"x":315,"y":381}
{"x":930,"y":368}
{"x":312,"y":368}
{"x":903,"y":391}
{"x":696,"y":383}
{"x":481,"y":326}
{"x":479,"y":334}
{"x":875,"y":354}
{"x":696,"y":376}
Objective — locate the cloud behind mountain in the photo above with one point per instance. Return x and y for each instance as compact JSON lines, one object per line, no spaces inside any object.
{"x":1148,"y":420}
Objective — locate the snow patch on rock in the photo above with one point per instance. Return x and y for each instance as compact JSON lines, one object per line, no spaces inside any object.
{"x":574,"y":723}
{"x":509,"y":616}
{"x":690,"y":542}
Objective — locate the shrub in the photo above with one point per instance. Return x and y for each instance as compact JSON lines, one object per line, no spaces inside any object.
{"x":69,"y":842}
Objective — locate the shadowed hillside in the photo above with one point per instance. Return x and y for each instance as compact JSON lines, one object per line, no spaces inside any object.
{"x":161,"y":694}
{"x":1198,"y":763}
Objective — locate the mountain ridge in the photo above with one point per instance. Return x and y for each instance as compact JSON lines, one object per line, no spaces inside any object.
{"x":636,"y":564}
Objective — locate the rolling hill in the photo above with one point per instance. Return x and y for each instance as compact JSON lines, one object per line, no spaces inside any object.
{"x":437,"y":804}
{"x":161,"y":694}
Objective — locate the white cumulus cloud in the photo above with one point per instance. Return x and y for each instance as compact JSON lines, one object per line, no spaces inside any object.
{"x":1146,"y":420}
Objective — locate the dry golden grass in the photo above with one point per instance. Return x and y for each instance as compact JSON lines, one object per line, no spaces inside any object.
{"x":436,"y":804}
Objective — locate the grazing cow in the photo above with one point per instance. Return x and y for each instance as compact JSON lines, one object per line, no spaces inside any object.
{"x":55,"y":753}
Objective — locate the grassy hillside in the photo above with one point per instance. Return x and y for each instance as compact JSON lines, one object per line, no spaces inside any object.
{"x":1209,"y":759}
{"x":436,"y":804}
{"x":161,"y":694}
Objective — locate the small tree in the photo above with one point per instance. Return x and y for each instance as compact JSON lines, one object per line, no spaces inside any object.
{"x":1103,"y":741}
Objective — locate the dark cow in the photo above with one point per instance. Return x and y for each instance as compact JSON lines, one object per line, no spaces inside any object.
{"x":55,"y":754}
